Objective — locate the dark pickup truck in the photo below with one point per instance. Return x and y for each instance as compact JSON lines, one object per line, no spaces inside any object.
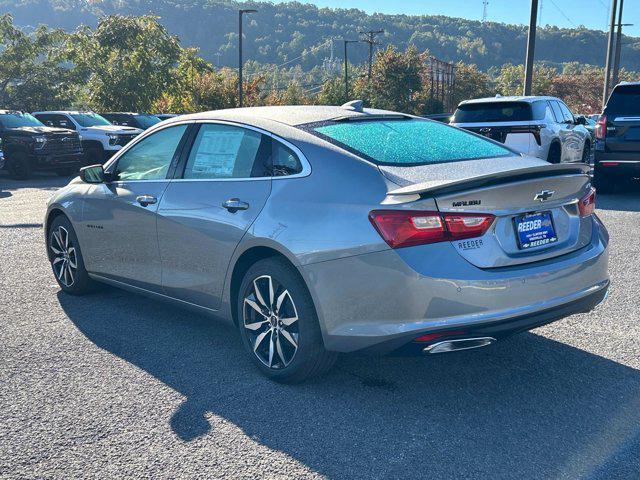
{"x":29,"y":145}
{"x":617,"y":149}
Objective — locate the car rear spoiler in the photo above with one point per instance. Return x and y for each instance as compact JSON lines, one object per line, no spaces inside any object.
{"x":441,"y":187}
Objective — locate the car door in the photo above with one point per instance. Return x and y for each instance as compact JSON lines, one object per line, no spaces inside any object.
{"x":224,"y":182}
{"x":575,"y":134}
{"x":119,"y":233}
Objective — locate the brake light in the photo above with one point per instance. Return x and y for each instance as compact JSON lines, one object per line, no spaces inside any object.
{"x":587,"y":204}
{"x":405,"y":228}
{"x":533,"y":129}
{"x":601,"y":127}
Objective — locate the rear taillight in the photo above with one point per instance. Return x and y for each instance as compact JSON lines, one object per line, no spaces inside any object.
{"x":601,"y":127}
{"x":533,"y":129}
{"x":400,"y":228}
{"x":587,"y":204}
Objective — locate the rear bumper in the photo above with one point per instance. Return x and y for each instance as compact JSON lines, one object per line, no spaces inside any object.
{"x":617,"y":163}
{"x":382,"y":301}
{"x":505,"y":328}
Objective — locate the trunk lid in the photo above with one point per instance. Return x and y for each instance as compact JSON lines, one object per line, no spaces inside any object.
{"x":531,"y":188}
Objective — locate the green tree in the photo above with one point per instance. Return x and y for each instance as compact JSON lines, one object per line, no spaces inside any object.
{"x":32,"y":73}
{"x":510,"y":80}
{"x":126,"y":63}
{"x":332,"y":92}
{"x":470,"y":83}
{"x":396,"y":80}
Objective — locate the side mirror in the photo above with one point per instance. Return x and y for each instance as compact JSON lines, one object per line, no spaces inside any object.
{"x":93,"y":174}
{"x":581,"y":120}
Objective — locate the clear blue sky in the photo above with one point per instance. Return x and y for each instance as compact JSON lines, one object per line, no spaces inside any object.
{"x":563,"y":13}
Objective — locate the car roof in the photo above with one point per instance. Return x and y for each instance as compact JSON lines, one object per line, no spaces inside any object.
{"x":63,"y":112}
{"x":127,"y":113}
{"x":291,"y":115}
{"x":511,"y":98}
{"x":623,"y":84}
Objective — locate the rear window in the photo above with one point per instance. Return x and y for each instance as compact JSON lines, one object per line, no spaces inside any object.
{"x":494,"y":112}
{"x":625,"y":100}
{"x":408,"y":142}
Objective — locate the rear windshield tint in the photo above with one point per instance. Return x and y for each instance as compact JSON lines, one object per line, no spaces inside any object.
{"x":408,"y":142}
{"x":493,"y":112}
{"x":625,"y":100}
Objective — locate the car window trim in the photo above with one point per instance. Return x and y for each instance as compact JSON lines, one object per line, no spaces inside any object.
{"x":112,"y":163}
{"x":306,"y":166}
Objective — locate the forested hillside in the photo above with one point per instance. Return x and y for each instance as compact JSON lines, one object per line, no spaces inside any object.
{"x":280,"y":33}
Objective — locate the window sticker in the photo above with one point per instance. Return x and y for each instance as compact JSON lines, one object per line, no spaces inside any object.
{"x":217,"y":152}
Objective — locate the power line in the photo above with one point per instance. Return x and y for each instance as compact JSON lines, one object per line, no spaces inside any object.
{"x":562,"y":13}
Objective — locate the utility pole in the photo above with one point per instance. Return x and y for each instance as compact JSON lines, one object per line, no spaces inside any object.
{"x":370,"y":38}
{"x":607,"y":67}
{"x":240,"y":13}
{"x":616,"y":60}
{"x":346,"y":69}
{"x":531,"y":47}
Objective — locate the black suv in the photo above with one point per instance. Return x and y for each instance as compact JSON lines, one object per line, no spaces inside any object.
{"x":29,"y":145}
{"x":137,"y":120}
{"x":617,"y":152}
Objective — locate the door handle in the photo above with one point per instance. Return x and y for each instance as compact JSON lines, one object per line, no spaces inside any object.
{"x":235,"y":204}
{"x":145,"y":200}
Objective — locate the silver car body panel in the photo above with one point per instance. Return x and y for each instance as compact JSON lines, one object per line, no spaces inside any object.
{"x":365,"y":293}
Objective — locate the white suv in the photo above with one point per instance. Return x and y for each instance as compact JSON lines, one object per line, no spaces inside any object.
{"x":100,"y":139}
{"x":542,"y":127}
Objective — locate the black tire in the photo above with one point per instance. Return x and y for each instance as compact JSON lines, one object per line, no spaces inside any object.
{"x":288,"y":364}
{"x":56,"y":244}
{"x":586,"y":153}
{"x":555,"y":153}
{"x":604,"y":183}
{"x":93,"y":154}
{"x":19,"y":166}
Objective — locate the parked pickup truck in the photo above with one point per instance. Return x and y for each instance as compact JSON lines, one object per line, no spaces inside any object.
{"x":100,"y":139}
{"x":617,"y":155}
{"x":29,"y":145}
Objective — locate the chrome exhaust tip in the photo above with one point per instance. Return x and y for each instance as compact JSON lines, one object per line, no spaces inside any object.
{"x":460,"y":344}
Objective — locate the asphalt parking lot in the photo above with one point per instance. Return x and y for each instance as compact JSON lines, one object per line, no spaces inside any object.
{"x":114,"y":385}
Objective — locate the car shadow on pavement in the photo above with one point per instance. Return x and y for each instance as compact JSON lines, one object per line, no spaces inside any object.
{"x":625,"y":198}
{"x":527,"y":407}
{"x":42,"y":181}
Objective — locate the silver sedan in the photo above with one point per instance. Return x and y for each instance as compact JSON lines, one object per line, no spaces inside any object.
{"x":319,"y":230}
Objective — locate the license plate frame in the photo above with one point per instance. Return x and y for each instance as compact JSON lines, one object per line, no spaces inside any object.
{"x":542,"y":236}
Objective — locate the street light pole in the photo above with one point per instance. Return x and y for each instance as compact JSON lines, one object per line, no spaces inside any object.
{"x":616,"y":58}
{"x":607,"y":67}
{"x":531,"y":47}
{"x":346,"y":69}
{"x":240,"y":13}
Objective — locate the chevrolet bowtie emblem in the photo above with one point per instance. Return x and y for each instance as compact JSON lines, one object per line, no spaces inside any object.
{"x":544,"y":195}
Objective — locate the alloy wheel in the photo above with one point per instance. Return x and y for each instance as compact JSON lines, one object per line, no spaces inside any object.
{"x":64,"y":261}
{"x":271,"y":322}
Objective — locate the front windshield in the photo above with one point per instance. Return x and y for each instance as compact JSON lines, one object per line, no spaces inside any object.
{"x":17,"y":120}
{"x":147,"y":120}
{"x":90,"y":119}
{"x":408,"y":142}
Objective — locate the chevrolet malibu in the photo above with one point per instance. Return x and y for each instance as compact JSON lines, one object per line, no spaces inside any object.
{"x":319,"y":230}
